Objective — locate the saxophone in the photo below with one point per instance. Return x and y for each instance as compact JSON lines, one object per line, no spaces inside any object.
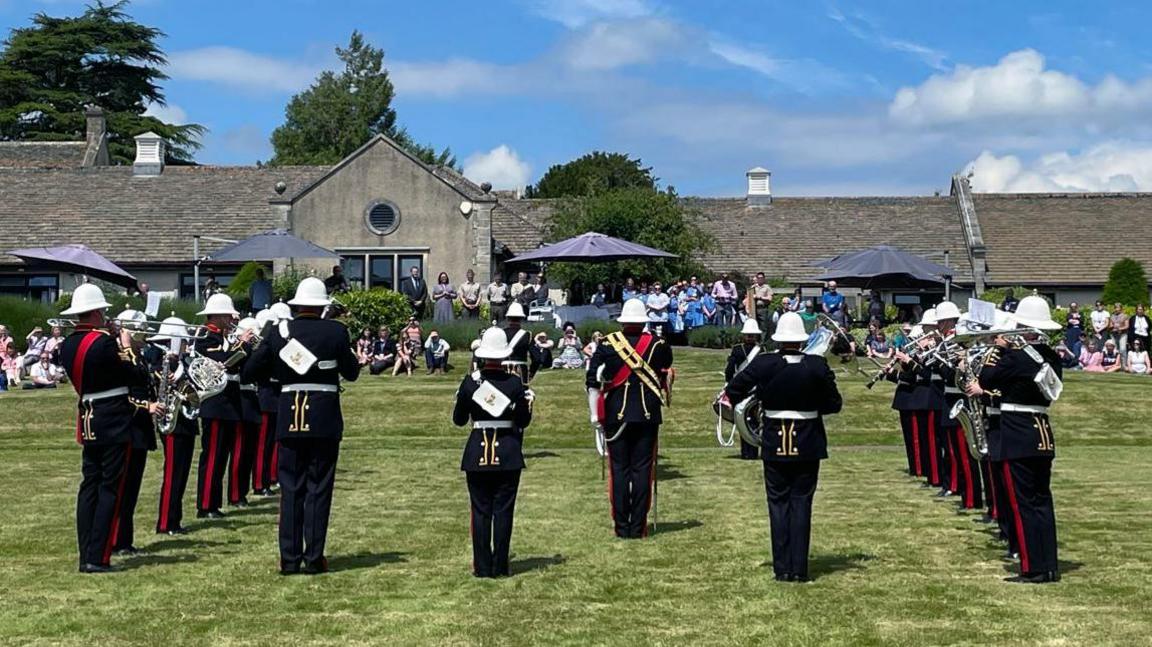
{"x":166,"y":420}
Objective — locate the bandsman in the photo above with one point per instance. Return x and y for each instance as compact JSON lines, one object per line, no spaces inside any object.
{"x":519,"y":341}
{"x":629,"y":380}
{"x":180,"y":445}
{"x":101,"y":376}
{"x":1028,"y":379}
{"x":904,"y":402}
{"x":795,"y":391}
{"x":264,"y":469}
{"x":247,"y":438}
{"x":499,"y":407}
{"x":307,"y":355}
{"x":741,"y":356}
{"x":964,"y":468}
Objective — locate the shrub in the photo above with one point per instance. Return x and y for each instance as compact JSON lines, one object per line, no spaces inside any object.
{"x":21,"y":316}
{"x":713,"y":337}
{"x":374,"y":308}
{"x":285,"y":282}
{"x":238,"y":288}
{"x":996,"y":295}
{"x":1127,"y":283}
{"x":183,"y":308}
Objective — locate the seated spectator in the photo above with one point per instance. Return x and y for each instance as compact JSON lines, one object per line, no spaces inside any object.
{"x":364,"y":347}
{"x":436,"y":353}
{"x":879,"y":346}
{"x":571,"y":350}
{"x":406,"y":352}
{"x":412,"y":333}
{"x":1067,"y":358}
{"x":1138,"y":358}
{"x":900,"y":339}
{"x":1110,"y":361}
{"x":540,"y":353}
{"x":6,"y":341}
{"x":383,"y":352}
{"x":1091,"y":359}
{"x":13,"y":365}
{"x":54,"y":343}
{"x":591,"y":346}
{"x":36,"y":343}
{"x":45,"y":374}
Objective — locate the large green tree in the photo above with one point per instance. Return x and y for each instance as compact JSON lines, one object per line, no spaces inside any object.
{"x":51,"y":70}
{"x":343,"y":110}
{"x":593,"y":173}
{"x":1127,"y":283}
{"x":642,"y":215}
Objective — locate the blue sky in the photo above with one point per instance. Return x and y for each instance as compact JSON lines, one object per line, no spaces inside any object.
{"x":836,"y":98}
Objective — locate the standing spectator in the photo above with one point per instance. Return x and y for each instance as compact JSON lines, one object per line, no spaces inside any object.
{"x":517,"y":289}
{"x":1119,"y":322}
{"x":497,"y":296}
{"x":724,"y":291}
{"x":797,"y":302}
{"x":600,"y":297}
{"x":469,"y":293}
{"x":657,"y":305}
{"x":832,"y":304}
{"x":690,"y":299}
{"x":44,"y":375}
{"x":676,"y":309}
{"x":212,"y":286}
{"x":1101,"y":322}
{"x":364,"y":347}
{"x":1138,"y":358}
{"x":1091,"y":359}
{"x":412,"y":332}
{"x":629,"y":291}
{"x":13,"y":365}
{"x":442,"y":297}
{"x":761,"y":307}
{"x":436,"y":353}
{"x":876,"y":308}
{"x":36,"y":344}
{"x":1074,"y":330}
{"x":1111,"y":361}
{"x":540,"y":354}
{"x":539,"y":290}
{"x":260,"y":292}
{"x":1010,"y":301}
{"x":383,"y":352}
{"x":336,"y":283}
{"x":1139,"y":327}
{"x":415,"y":289}
{"x":708,"y":307}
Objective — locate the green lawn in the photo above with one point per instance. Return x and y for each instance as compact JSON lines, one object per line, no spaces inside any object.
{"x":892,"y":564}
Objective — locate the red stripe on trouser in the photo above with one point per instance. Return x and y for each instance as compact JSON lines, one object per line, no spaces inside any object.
{"x":932,"y":451}
{"x":166,"y":492}
{"x":258,"y":475}
{"x":237,"y":452}
{"x":210,"y":471}
{"x":651,"y":480}
{"x":953,"y":463}
{"x":275,"y":461}
{"x":962,"y":449}
{"x":916,"y":446}
{"x":114,"y":533}
{"x":1019,"y":523}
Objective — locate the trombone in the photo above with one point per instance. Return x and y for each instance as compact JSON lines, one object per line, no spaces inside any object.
{"x":142,"y":327}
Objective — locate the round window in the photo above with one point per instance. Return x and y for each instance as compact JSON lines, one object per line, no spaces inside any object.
{"x":382,"y":218}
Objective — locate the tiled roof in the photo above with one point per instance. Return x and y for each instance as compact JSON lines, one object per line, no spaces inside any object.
{"x":42,"y":154}
{"x":140,"y":220}
{"x":519,"y":225}
{"x":1065,"y":239}
{"x":461,"y":183}
{"x":781,"y":239}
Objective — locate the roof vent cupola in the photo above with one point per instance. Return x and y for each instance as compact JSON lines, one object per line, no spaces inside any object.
{"x":149,"y":155}
{"x":759,"y":187}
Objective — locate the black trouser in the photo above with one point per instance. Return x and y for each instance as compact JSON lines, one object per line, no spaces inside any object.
{"x":307,"y":470}
{"x":926,"y":440}
{"x":1028,"y":483}
{"x":264,"y":462}
{"x":470,"y":313}
{"x":908,"y":425}
{"x":748,"y":451}
{"x":125,"y":533}
{"x":493,"y":496}
{"x":1005,"y":519}
{"x":216,"y":438}
{"x":379,"y":366}
{"x":178,"y":450}
{"x":497,"y":311}
{"x":944,"y":439}
{"x":790,"y":487}
{"x":240,"y":465}
{"x":103,"y":468}
{"x":633,"y":458}
{"x":764,"y":319}
{"x":965,"y":470}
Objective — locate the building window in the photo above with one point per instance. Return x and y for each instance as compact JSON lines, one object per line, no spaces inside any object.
{"x":382,"y":271}
{"x":379,"y":270}
{"x":44,"y":288}
{"x":353,"y":267}
{"x":382,"y":217}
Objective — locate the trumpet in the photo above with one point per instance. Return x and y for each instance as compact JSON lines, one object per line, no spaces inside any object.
{"x":915,"y":348}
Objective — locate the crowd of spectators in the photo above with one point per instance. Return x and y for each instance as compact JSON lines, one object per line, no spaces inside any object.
{"x":35,"y":364}
{"x":1106,"y":340}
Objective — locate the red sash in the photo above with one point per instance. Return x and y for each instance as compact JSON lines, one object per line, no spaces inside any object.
{"x":77,"y":372}
{"x":623,"y":374}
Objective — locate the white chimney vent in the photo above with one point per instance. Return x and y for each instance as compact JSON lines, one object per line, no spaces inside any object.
{"x":759,"y":186}
{"x":149,"y":155}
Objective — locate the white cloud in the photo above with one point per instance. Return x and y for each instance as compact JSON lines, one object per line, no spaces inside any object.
{"x":242,"y":69}
{"x":451,"y":78}
{"x":1018,"y":86}
{"x":168,"y":113}
{"x":610,"y":45}
{"x":577,"y":13}
{"x":501,"y":166}
{"x":1111,"y":166}
{"x":865,"y":30}
{"x":801,"y":74}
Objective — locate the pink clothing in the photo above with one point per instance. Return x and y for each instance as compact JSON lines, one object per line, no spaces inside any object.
{"x":719,"y":291}
{"x":1092,"y":362}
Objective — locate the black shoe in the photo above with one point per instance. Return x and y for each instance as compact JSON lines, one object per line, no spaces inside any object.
{"x":242,"y":503}
{"x":210,"y":514}
{"x":96,"y":568}
{"x":127,"y":551}
{"x":289,"y":568}
{"x":265,"y":492}
{"x":783,"y":577}
{"x":315,"y":568}
{"x":1042,"y":577}
{"x":944,"y":492}
{"x":794,"y":577}
{"x":175,"y":532}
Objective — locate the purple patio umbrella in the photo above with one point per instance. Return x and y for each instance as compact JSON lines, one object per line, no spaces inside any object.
{"x":883,"y":266}
{"x":269,"y":245}
{"x":590,"y":248}
{"x":77,"y":259}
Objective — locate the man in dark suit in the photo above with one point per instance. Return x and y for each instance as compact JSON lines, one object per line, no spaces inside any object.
{"x":416,"y":291}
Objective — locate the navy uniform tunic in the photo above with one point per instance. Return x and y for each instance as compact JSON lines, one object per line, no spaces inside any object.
{"x":738,"y":356}
{"x":795,"y":392}
{"x":493,"y":458}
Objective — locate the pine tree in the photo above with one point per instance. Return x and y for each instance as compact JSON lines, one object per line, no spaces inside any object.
{"x":1127,"y":283}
